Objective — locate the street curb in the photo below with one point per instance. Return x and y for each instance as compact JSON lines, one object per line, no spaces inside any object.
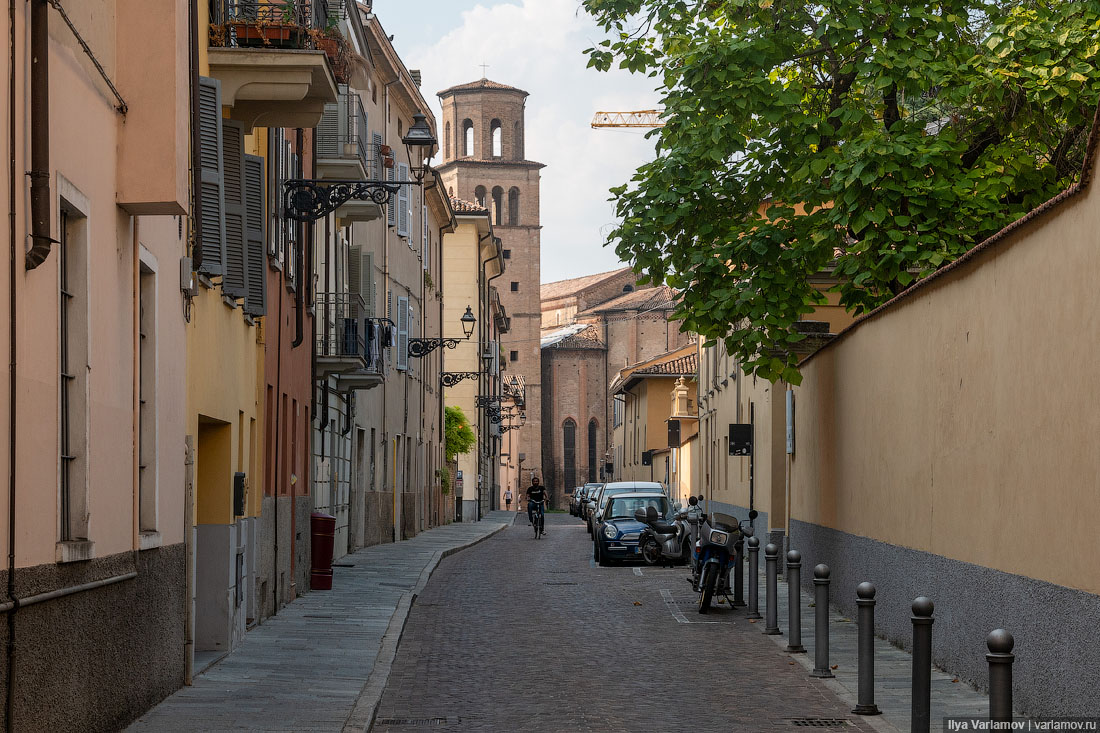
{"x":365,"y":709}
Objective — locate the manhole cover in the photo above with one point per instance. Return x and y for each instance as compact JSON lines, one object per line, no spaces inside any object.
{"x":564,"y":582}
{"x":820,"y":722}
{"x":410,"y":721}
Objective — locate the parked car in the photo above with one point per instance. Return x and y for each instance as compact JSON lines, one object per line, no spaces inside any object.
{"x":616,"y":536}
{"x":580,"y":498}
{"x":575,"y":499}
{"x":589,"y":507}
{"x":618,"y":487}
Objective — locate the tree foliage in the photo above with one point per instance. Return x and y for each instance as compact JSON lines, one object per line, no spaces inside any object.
{"x":874,"y":139}
{"x":458,"y":435}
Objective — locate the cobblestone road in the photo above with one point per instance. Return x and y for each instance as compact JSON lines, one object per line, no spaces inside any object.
{"x":523,"y":635}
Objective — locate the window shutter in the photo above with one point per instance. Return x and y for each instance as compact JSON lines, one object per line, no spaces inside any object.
{"x":427,"y":236}
{"x":255,"y":228}
{"x":402,"y":333}
{"x":236,"y":259}
{"x":375,"y":172}
{"x":402,"y":201}
{"x":369,"y":287}
{"x":328,"y":130}
{"x":210,"y":254}
{"x":391,"y":208}
{"x":355,"y":279}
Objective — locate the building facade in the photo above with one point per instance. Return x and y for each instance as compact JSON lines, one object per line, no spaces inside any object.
{"x":94,"y":361}
{"x":483,"y":141}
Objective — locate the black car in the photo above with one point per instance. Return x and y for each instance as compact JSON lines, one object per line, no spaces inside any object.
{"x":616,"y":536}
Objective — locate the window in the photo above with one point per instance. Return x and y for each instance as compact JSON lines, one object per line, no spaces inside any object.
{"x":479,"y":195}
{"x":494,"y":131}
{"x":513,"y":356}
{"x":498,"y":205}
{"x":73,"y":375}
{"x":513,"y":206}
{"x":404,"y":211}
{"x":569,"y":451}
{"x":592,"y":428}
{"x":147,"y":394}
{"x":517,"y":142}
{"x":628,"y":288}
{"x":617,"y":409}
{"x":515,"y":286}
{"x":507,"y":254}
{"x":447,"y":142}
{"x":467,"y":138}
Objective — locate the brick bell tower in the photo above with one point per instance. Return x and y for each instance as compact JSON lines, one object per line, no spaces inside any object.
{"x":482,"y":143}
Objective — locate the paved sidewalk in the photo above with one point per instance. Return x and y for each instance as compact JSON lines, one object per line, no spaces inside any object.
{"x":321,"y":663}
{"x":893,"y":668}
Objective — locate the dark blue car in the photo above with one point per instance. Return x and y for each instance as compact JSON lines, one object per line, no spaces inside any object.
{"x":616,"y":536}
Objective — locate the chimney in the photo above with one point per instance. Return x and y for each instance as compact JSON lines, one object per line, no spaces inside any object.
{"x":415,"y":74}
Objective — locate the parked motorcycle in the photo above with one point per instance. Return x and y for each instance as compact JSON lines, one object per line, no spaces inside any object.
{"x":661,"y":540}
{"x":716,"y":552}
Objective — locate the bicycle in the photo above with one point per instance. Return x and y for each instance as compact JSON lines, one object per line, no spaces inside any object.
{"x":539,"y":518}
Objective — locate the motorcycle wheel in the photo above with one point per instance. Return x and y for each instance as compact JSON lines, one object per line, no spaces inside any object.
{"x":710,"y":579}
{"x":651,"y":551}
{"x":685,"y":553}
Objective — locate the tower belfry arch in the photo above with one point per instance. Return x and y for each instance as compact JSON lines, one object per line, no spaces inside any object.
{"x":485,"y":155}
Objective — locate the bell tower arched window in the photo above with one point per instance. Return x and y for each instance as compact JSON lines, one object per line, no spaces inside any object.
{"x":498,"y":205}
{"x":497,"y":142}
{"x":467,"y":138}
{"x":479,"y":195}
{"x":513,"y":206}
{"x":447,"y":143}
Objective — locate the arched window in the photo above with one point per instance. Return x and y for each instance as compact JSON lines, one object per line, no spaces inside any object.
{"x":451,"y":191}
{"x":513,"y":206}
{"x":468,"y":138}
{"x":628,"y":288}
{"x":479,"y":195}
{"x":447,"y":142}
{"x":517,"y":142}
{"x":498,"y":204}
{"x":494,"y":131}
{"x":569,"y":452}
{"x":592,"y":449}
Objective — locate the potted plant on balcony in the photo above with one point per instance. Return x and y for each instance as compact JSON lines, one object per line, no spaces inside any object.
{"x":261,"y":24}
{"x":336,"y":48}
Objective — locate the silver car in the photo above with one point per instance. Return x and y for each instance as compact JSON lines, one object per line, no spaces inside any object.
{"x":618,"y":487}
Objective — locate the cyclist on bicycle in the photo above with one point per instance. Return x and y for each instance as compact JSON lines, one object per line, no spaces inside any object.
{"x":535,"y":493}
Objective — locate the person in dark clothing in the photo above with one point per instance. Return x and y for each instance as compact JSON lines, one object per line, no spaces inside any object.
{"x":535,"y":493}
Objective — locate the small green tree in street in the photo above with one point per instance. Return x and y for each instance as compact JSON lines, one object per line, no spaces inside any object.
{"x":459,"y":436}
{"x":878,"y":139}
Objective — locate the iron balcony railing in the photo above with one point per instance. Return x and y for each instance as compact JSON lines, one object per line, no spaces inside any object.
{"x":342,"y":133}
{"x":269,"y":23}
{"x":345,"y":330}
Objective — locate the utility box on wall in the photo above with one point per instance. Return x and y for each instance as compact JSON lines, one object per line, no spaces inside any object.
{"x":740,"y":439}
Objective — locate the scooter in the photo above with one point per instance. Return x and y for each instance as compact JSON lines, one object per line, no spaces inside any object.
{"x":716,"y":552}
{"x":661,"y":540}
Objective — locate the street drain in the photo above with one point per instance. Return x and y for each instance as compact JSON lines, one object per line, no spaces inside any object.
{"x":564,"y":582}
{"x":410,"y":721}
{"x":820,"y":722}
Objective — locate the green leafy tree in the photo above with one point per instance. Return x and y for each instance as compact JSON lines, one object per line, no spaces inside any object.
{"x":877,"y":139}
{"x":459,"y":436}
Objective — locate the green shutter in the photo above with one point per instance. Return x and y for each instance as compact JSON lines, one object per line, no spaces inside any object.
{"x":255,"y":302}
{"x":210,"y":251}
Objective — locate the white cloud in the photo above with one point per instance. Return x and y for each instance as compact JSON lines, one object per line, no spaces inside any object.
{"x":537,"y":45}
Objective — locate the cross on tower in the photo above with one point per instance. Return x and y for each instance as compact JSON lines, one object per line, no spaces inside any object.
{"x":483,"y":68}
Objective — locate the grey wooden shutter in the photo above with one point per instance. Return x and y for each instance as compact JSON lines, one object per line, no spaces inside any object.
{"x":370,"y":287}
{"x":255,"y":302}
{"x":402,"y":332}
{"x":210,"y":254}
{"x":355,"y":278}
{"x":402,"y":201}
{"x":236,"y":258}
{"x":332,"y":130}
{"x":426,"y":235}
{"x":391,"y":208}
{"x":375,"y":171}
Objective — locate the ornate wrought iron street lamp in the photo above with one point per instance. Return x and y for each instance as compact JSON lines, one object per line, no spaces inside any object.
{"x":420,"y":144}
{"x":420,"y":347}
{"x":450,"y":379}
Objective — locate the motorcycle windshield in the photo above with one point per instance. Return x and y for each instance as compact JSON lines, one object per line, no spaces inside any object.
{"x":724,"y":522}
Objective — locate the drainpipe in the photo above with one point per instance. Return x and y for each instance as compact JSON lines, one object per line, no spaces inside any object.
{"x":40,"y":135}
{"x":307,"y":243}
{"x":483,"y":308}
{"x":13,"y":254}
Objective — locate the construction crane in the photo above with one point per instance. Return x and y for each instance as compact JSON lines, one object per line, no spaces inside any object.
{"x":647,"y":118}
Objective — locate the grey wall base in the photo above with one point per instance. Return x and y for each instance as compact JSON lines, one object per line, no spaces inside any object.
{"x":1057,"y":668}
{"x":469,"y":510}
{"x":98,"y":659}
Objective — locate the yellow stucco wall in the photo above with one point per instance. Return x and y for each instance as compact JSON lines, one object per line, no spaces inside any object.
{"x":963,"y":419}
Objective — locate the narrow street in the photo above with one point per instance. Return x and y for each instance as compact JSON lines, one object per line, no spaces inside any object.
{"x":518,"y":634}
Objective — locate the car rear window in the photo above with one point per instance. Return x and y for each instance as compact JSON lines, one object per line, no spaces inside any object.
{"x":624,"y":508}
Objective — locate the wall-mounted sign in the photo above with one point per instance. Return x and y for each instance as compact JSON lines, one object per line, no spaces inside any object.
{"x":740,"y":439}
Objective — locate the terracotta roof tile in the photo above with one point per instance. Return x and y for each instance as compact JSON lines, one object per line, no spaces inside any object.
{"x":562,"y":288}
{"x":661,"y":297}
{"x":682,"y":366}
{"x":480,"y":84}
{"x":467,"y":207}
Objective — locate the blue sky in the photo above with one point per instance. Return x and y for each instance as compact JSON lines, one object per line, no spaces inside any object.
{"x":537,"y":45}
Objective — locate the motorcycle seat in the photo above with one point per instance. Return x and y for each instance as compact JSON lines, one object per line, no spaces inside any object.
{"x":662,"y":527}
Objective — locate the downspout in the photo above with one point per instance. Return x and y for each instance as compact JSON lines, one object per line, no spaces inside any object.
{"x":307,"y":244}
{"x":279,"y":325}
{"x":485,"y":326}
{"x":13,"y":255}
{"x":40,"y":135}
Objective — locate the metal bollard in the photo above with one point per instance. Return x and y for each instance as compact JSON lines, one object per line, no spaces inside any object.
{"x":794,"y":603}
{"x":922,"y":664}
{"x":1000,"y":659}
{"x":739,"y":576}
{"x":821,"y":622}
{"x":865,"y":700}
{"x":754,"y":589}
{"x":771,"y":566}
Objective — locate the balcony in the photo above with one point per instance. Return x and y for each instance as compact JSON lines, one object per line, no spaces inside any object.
{"x":345,"y":152}
{"x":349,"y":345}
{"x":269,"y":57}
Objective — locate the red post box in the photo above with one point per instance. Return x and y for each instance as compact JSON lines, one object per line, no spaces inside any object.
{"x":322,"y":530}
